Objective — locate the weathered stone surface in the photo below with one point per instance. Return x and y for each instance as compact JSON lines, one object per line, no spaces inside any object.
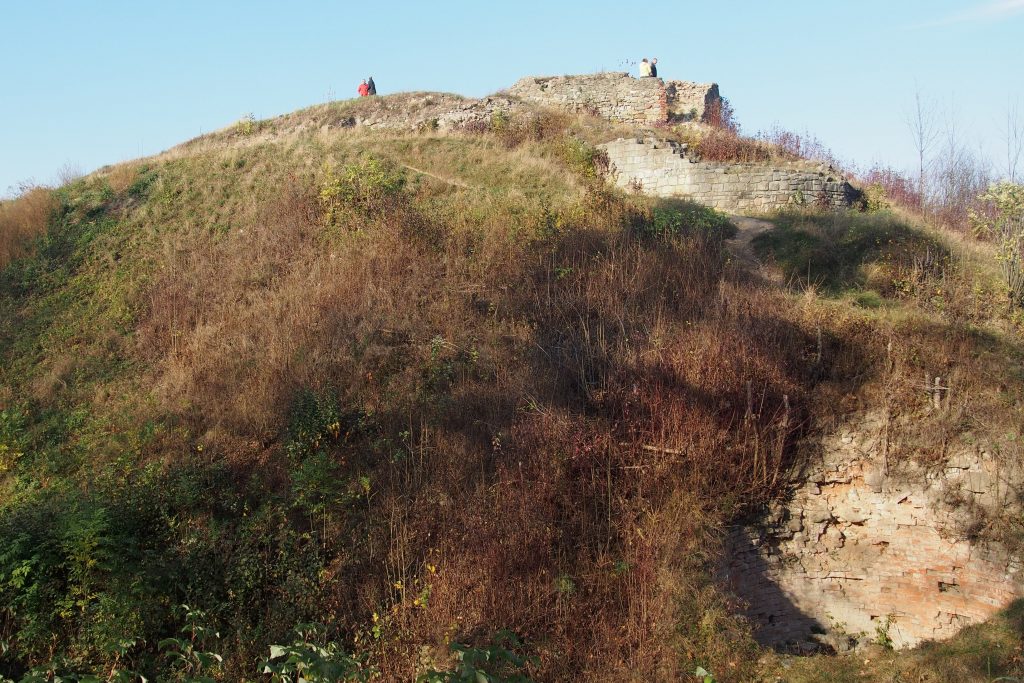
{"x":619,"y":97}
{"x":663,"y":168}
{"x":890,"y":550}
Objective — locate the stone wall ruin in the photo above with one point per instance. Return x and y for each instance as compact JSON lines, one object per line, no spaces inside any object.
{"x":619,"y":97}
{"x":664,"y":169}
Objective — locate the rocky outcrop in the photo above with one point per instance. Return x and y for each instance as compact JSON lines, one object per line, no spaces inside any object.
{"x":867,"y":549}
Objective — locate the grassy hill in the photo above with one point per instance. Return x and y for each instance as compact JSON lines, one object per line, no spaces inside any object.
{"x":422,"y":387}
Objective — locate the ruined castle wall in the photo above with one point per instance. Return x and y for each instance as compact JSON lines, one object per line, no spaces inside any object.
{"x":615,"y":95}
{"x":619,"y":97}
{"x":663,"y":169}
{"x":864,"y":549}
{"x":690,"y":101}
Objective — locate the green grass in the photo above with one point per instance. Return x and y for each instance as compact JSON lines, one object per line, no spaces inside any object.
{"x":832,"y":251}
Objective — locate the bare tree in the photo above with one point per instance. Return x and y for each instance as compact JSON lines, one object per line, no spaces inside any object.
{"x":1014,"y":139}
{"x":924,"y":127}
{"x":957,"y":175}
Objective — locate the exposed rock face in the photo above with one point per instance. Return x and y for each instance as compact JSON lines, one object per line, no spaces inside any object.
{"x":866,"y":548}
{"x":619,"y":97}
{"x":662,"y":168}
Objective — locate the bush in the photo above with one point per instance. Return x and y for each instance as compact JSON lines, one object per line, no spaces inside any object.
{"x":885,"y":187}
{"x":584,"y":158}
{"x":721,"y":115}
{"x":1002,"y":219}
{"x":727,"y":146}
{"x":365,"y":186}
{"x":794,"y":146}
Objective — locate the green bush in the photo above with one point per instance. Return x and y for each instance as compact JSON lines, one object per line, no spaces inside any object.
{"x":309,"y":658}
{"x":583,"y":158}
{"x":365,"y":186}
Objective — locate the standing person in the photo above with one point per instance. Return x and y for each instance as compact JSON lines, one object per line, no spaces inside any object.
{"x":654,"y":68}
{"x":373,"y":86}
{"x":364,"y":88}
{"x":645,"y":68}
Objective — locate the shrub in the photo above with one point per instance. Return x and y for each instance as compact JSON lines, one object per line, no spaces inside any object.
{"x":247,"y":125}
{"x":309,"y":658}
{"x":721,"y":115}
{"x":794,"y":146}
{"x":365,"y":186}
{"x":1003,"y":221}
{"x":726,"y":145}
{"x":499,"y":662}
{"x":885,"y":186}
{"x":584,"y":158}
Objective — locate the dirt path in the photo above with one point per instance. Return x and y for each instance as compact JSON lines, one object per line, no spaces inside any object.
{"x":449,"y":181}
{"x":742,"y":248}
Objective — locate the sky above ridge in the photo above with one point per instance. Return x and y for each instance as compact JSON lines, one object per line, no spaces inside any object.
{"x":92,"y":83}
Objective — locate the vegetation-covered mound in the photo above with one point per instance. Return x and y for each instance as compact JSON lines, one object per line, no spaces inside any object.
{"x":426,"y":388}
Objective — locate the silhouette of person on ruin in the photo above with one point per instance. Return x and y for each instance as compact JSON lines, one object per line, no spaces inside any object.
{"x":645,"y":68}
{"x":373,"y":86}
{"x":364,"y":88}
{"x":654,"y":68}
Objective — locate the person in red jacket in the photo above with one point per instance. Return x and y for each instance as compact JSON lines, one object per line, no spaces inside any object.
{"x":364,"y":88}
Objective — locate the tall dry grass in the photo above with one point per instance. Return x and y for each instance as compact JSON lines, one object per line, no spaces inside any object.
{"x":22,"y":219}
{"x":564,"y":407}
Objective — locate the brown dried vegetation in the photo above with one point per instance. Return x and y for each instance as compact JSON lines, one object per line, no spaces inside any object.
{"x":555,"y":410}
{"x":22,"y":219}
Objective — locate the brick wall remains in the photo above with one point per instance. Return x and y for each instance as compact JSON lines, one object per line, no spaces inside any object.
{"x":861,"y":544}
{"x":662,"y":168}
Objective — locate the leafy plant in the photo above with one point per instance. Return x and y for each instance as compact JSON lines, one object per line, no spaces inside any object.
{"x":247,"y":125}
{"x":704,"y":675}
{"x":882,"y":635}
{"x":189,"y":656}
{"x":1004,"y":222}
{"x":307,"y":660}
{"x":495,"y":663}
{"x":315,"y":418}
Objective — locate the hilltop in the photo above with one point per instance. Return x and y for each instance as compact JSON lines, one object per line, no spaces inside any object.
{"x":420,"y":368}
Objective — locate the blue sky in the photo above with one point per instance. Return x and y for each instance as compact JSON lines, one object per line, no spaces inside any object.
{"x":90,"y":83}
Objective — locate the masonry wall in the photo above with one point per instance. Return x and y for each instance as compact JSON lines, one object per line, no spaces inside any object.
{"x":662,"y":168}
{"x":613,"y":95}
{"x":859,"y":545}
{"x":690,"y":101}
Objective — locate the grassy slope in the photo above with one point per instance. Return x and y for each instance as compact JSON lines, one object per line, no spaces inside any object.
{"x":424,"y":407}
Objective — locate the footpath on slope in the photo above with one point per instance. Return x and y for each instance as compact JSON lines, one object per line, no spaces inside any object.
{"x":742,"y":248}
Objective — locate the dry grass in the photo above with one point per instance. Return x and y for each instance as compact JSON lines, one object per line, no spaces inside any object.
{"x":556,"y":412}
{"x":22,"y":219}
{"x":121,"y":176}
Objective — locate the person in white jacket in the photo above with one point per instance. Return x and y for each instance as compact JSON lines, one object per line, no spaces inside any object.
{"x":645,"y":68}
